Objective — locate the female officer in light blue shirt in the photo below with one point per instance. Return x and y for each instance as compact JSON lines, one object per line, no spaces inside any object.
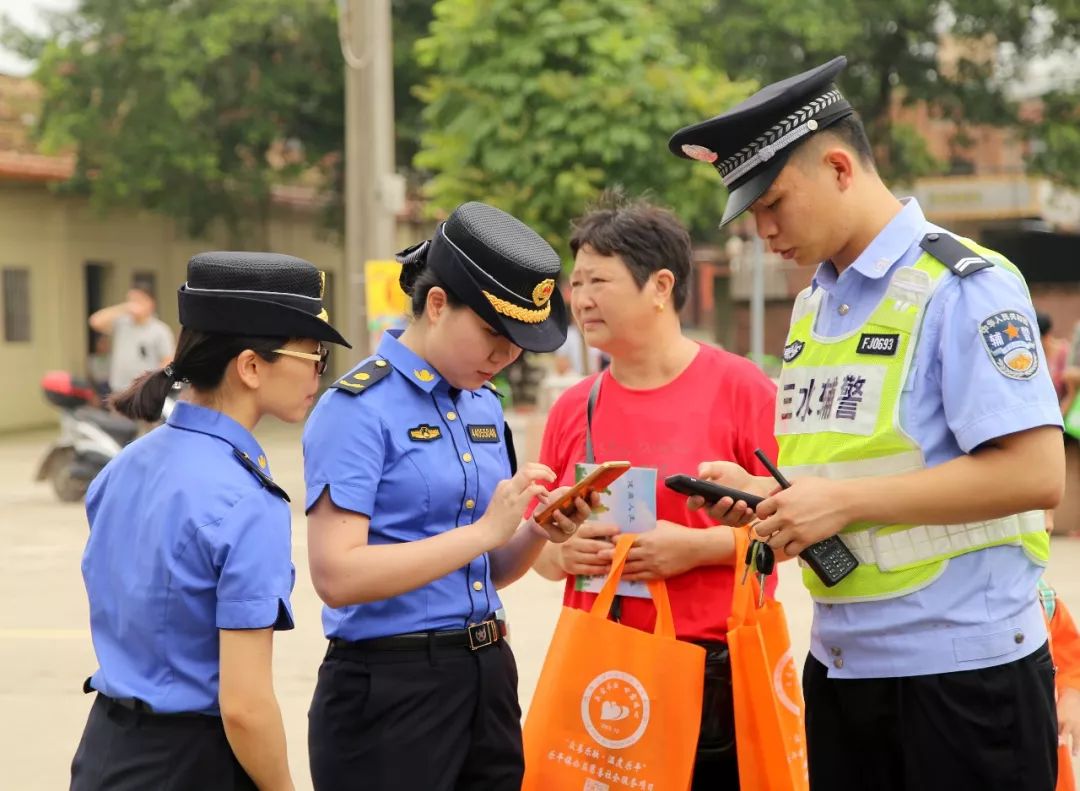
{"x":414,"y":521}
{"x":188,"y":567}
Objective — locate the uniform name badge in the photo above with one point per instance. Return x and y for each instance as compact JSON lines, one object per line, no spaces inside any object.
{"x":630,"y":503}
{"x":844,"y":399}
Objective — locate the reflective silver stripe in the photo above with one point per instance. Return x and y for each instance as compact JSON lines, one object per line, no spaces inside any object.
{"x":771,"y":136}
{"x":927,"y":542}
{"x":768,"y":151}
{"x":896,"y":464}
{"x":244,"y":291}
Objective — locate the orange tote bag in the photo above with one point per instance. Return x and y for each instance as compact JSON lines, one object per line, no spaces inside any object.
{"x":615,"y":707}
{"x":770,"y":734}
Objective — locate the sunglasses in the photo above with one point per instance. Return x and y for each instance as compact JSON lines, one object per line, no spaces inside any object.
{"x":319,"y":357}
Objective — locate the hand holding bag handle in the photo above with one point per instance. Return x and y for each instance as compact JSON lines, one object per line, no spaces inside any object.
{"x":665,"y":622}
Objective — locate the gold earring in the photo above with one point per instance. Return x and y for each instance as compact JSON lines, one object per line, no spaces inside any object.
{"x":659,"y":307}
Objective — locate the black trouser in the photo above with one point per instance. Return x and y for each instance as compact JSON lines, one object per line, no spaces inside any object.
{"x":716,"y":766}
{"x":127,"y":750}
{"x":993,"y":729}
{"x":441,"y":718}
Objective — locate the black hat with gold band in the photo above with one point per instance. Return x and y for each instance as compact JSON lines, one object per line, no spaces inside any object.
{"x":500,"y":268}
{"x":257,"y":294}
{"x":750,"y":143}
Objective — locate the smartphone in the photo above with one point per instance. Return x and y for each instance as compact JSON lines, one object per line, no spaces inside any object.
{"x":712,"y":492}
{"x":596,"y":481}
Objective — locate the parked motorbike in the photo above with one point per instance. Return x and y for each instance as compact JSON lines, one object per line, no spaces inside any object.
{"x":90,"y":436}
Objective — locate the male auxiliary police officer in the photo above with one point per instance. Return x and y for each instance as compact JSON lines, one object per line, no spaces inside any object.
{"x":915,"y":414}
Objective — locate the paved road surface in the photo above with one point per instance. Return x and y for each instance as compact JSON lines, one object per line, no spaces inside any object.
{"x":45,"y":650}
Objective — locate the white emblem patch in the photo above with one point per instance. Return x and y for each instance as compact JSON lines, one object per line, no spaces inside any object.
{"x":1010,"y":342}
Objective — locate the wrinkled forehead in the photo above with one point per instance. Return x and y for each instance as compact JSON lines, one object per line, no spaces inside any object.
{"x":589,"y":259}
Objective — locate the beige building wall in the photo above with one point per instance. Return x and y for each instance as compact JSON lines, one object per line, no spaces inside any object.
{"x":55,"y":236}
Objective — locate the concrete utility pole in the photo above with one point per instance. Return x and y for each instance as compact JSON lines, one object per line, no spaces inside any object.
{"x":374,"y":194}
{"x":757,"y":302}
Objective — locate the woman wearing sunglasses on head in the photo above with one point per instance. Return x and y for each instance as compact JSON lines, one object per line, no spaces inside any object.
{"x":415,"y":519}
{"x":188,"y":565}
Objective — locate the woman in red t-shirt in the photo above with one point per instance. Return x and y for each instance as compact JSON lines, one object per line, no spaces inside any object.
{"x":669,"y":403}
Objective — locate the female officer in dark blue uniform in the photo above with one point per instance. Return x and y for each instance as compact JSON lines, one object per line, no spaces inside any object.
{"x":414,"y":521}
{"x":188,"y":565}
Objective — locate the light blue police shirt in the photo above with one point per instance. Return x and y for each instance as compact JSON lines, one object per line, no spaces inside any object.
{"x":418,"y":459}
{"x":184,"y":540}
{"x":982,"y":611}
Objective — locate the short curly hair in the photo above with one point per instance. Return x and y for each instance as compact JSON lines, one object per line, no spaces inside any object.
{"x":647,"y":237}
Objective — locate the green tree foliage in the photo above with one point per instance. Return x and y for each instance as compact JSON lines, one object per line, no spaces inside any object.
{"x":411,"y":19}
{"x":1057,"y":151}
{"x":960,"y":56}
{"x":535,"y":106}
{"x":192,"y":108}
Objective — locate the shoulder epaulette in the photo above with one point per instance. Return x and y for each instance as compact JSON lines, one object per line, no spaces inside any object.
{"x":262,"y":477}
{"x":949,"y":250}
{"x":493,"y":389}
{"x":360,"y":379}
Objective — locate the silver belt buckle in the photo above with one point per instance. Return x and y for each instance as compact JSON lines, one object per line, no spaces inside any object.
{"x":483,"y":634}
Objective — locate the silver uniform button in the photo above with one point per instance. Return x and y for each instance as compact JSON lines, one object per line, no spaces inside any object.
{"x":838,"y":664}
{"x":843,"y":309}
{"x":1018,"y":637}
{"x":836,"y":651}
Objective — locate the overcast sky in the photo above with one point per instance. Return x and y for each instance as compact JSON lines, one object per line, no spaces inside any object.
{"x":27,"y":14}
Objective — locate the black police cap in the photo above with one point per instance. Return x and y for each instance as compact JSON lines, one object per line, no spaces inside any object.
{"x":502,"y":269}
{"x":750,"y":143}
{"x":258,"y":294}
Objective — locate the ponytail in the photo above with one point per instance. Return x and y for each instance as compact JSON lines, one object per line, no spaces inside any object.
{"x":200,"y":360}
{"x":145,"y":397}
{"x":417,"y":278}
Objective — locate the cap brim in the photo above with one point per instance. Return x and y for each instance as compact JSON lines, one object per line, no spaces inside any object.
{"x":743,"y":196}
{"x":233,"y":315}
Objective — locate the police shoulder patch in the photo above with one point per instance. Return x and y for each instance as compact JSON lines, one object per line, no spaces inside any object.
{"x":949,"y":250}
{"x":1009,"y":340}
{"x":262,"y":477}
{"x":360,"y":379}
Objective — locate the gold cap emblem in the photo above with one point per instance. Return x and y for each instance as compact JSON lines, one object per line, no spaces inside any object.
{"x":542,"y":293}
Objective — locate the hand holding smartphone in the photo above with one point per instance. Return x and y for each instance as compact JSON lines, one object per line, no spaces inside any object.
{"x":711,"y":492}
{"x":596,"y":481}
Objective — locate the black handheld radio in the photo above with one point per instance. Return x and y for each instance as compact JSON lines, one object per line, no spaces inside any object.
{"x":830,"y":559}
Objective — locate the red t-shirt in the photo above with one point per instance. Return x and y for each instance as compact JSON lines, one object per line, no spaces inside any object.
{"x":720,"y":408}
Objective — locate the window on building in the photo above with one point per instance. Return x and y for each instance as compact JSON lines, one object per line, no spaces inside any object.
{"x":961,"y":166}
{"x":15,"y":283}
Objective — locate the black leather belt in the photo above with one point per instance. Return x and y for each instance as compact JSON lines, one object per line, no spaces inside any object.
{"x":474,"y":638}
{"x":136,"y":706}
